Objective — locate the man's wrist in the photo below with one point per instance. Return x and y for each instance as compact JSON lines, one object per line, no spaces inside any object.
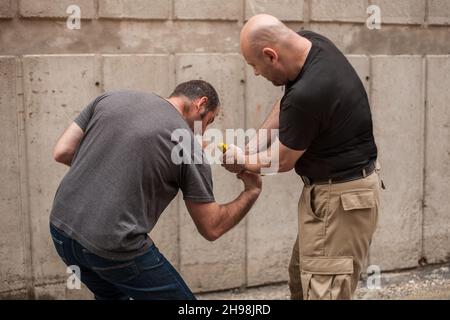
{"x":254,"y":168}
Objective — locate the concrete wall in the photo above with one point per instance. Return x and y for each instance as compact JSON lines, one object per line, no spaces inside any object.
{"x":48,"y":73}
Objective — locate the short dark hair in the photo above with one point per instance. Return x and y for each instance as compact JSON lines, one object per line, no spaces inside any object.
{"x":196,"y":89}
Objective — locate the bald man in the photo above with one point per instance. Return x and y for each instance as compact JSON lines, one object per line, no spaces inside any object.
{"x":325,"y":133}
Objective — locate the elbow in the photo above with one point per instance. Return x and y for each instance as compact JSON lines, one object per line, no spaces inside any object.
{"x":211,"y":232}
{"x":57,"y":155}
{"x":212,"y":228}
{"x":285,"y":169}
{"x":285,"y":166}
{"x":61,"y":156}
{"x":211,"y":235}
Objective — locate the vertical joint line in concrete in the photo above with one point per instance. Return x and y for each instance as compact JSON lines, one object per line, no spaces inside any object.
{"x":307,"y":12}
{"x":172,"y":10}
{"x":172,"y":72}
{"x":425,"y":18}
{"x":241,"y":21}
{"x":370,"y":95}
{"x":370,"y":84}
{"x":425,"y":147}
{"x":172,"y":84}
{"x":245,"y":266}
{"x":96,"y":9}
{"x":177,"y":208}
{"x":24,"y":185}
{"x":99,"y":72}
{"x":18,"y":9}
{"x":95,"y":20}
{"x":246,"y":125}
{"x":14,"y":5}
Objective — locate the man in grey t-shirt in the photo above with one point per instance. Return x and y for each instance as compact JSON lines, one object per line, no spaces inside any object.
{"x":121,"y":179}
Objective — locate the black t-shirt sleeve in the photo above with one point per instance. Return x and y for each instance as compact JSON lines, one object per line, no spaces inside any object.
{"x":299,"y":122}
{"x":196,"y":182}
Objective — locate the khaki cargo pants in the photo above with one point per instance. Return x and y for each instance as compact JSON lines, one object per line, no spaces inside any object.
{"x":336,"y":224}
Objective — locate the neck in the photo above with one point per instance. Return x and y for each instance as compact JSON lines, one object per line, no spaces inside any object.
{"x":180,"y":105}
{"x":301,"y":49}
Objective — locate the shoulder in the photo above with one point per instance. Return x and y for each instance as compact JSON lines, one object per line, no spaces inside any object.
{"x":130,"y":94}
{"x":311,"y":35}
{"x":306,"y":92}
{"x":307,"y":34}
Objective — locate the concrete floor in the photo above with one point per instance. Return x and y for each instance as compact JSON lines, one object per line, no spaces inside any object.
{"x":425,"y":283}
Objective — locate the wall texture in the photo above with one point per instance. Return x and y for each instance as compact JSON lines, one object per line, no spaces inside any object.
{"x":48,"y":73}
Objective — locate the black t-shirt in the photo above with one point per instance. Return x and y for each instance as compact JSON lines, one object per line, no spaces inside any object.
{"x":326,"y":112}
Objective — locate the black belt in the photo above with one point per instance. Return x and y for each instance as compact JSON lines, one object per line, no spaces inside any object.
{"x":362,"y":173}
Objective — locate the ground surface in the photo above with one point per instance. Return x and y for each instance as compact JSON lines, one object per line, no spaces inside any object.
{"x":430,"y":282}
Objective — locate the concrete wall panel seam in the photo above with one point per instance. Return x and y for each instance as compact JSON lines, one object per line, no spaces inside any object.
{"x":8,"y":9}
{"x":24,"y":182}
{"x":437,"y":165}
{"x":135,"y":9}
{"x":438,"y":12}
{"x":276,"y":8}
{"x":209,"y":10}
{"x":50,"y":9}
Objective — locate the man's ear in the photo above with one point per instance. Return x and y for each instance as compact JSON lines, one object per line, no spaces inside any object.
{"x":270,"y":54}
{"x":201,"y":104}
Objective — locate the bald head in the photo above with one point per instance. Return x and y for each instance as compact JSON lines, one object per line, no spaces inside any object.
{"x":273,"y":50}
{"x":264,"y":30}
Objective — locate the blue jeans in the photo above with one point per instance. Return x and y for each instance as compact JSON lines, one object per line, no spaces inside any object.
{"x":147,"y":277}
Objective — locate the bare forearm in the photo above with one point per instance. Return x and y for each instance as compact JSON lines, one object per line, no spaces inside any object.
{"x":277,"y":158}
{"x":232,"y":213}
{"x":256,"y":162}
{"x":263,"y":138}
{"x":273,"y":119}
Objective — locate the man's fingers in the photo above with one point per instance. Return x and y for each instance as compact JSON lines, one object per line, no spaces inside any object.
{"x":233,"y":168}
{"x":242,"y":173}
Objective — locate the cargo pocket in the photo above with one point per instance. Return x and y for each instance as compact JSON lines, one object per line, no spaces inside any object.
{"x":326,"y":278}
{"x":358,"y":199}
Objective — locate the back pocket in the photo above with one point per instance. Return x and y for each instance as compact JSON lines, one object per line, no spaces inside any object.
{"x":120,"y":273}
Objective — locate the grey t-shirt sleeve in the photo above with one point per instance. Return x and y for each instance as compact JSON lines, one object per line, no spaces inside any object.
{"x":86,"y":114}
{"x":83,"y":118}
{"x":196,"y":182}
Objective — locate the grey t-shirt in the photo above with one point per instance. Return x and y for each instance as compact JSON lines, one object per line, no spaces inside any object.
{"x":122,"y":175}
